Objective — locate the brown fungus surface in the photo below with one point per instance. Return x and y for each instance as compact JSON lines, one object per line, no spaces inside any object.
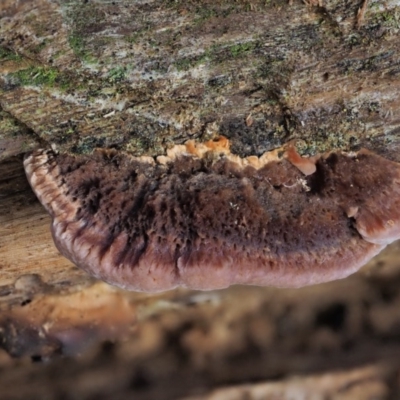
{"x":204,"y":218}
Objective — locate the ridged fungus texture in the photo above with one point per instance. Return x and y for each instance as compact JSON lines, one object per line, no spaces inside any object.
{"x":203,"y":218}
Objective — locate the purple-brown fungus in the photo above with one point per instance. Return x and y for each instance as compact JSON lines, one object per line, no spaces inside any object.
{"x":203,"y":218}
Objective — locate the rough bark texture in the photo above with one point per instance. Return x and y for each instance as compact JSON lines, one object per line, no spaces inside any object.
{"x":142,"y":76}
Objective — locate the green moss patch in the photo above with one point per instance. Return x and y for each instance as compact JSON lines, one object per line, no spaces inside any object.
{"x":40,"y":76}
{"x":8,"y":55}
{"x":217,"y":54}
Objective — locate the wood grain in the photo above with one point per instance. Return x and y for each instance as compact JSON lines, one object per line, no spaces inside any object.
{"x":26,"y":246}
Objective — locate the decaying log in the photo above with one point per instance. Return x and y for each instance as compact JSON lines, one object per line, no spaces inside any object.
{"x":144,"y":76}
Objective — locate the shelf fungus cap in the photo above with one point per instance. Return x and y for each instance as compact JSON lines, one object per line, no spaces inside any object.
{"x":204,"y":218}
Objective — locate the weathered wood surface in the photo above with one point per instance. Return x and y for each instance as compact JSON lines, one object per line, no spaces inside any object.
{"x":142,"y":76}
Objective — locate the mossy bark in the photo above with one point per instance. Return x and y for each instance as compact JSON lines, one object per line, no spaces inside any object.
{"x":143,"y":76}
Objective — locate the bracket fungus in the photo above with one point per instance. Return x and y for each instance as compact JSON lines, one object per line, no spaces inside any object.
{"x":203,"y":218}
